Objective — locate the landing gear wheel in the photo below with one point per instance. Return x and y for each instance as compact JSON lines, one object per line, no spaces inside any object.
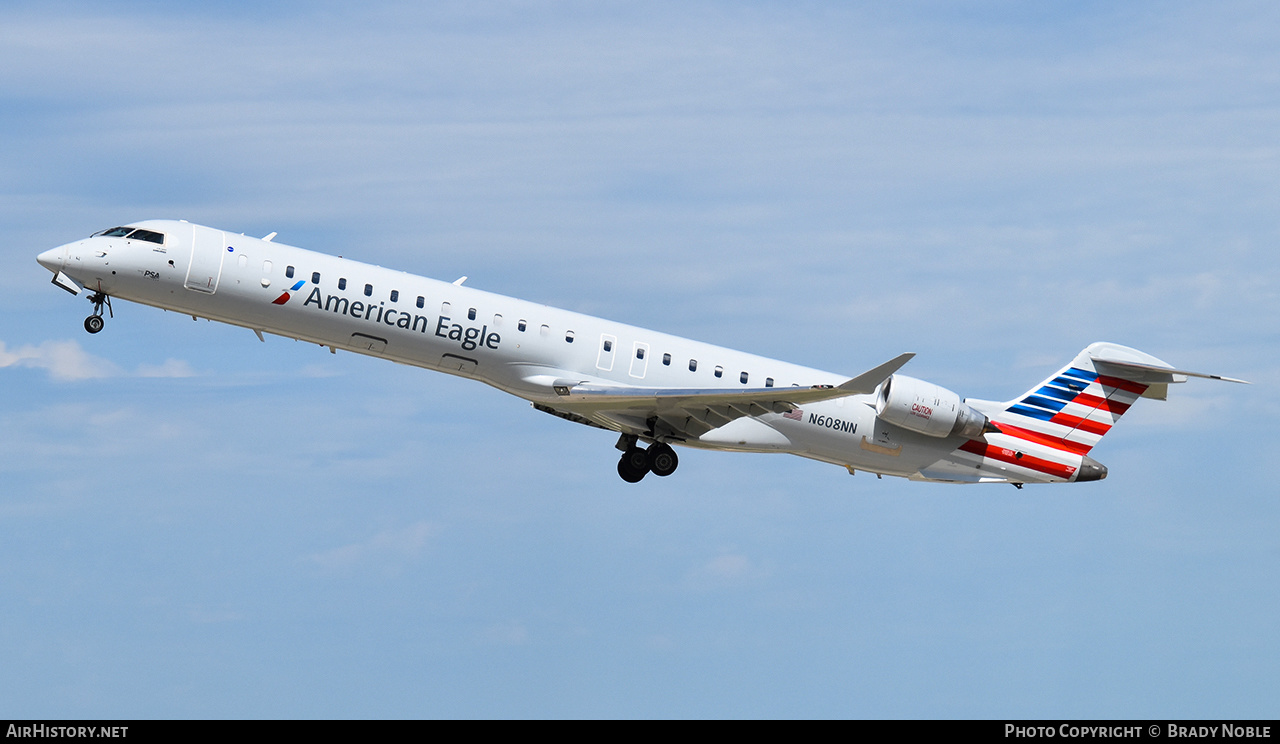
{"x":661,"y":459}
{"x":94,"y":322}
{"x":633,"y":465}
{"x":629,"y":475}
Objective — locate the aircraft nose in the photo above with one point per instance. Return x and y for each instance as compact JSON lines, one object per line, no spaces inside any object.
{"x":52,"y":259}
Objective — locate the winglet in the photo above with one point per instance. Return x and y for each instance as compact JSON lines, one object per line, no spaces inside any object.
{"x":869,"y":380}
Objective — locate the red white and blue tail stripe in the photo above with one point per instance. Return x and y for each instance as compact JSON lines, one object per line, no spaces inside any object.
{"x":1072,"y":410}
{"x":1047,"y":433}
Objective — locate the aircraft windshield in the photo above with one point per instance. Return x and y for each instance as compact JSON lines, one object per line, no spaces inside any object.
{"x":134,"y":233}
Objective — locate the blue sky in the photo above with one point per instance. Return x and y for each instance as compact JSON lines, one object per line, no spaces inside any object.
{"x":194,"y":523}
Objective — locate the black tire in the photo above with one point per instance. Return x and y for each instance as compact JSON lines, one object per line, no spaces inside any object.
{"x":662,"y":459}
{"x":636,"y":459}
{"x":93,"y":323}
{"x":628,"y":473}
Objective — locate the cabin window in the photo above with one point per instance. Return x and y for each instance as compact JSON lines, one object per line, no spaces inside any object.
{"x":768,"y":382}
{"x":521,"y":325}
{"x":368,"y":290}
{"x":743,"y":378}
{"x":568,"y":336}
{"x":266,"y":267}
{"x":608,"y":345}
{"x":497,"y":319}
{"x":719,"y":371}
{"x":693,"y":365}
{"x":545,"y":330}
{"x":422,"y":301}
{"x":315,"y":277}
{"x":639,"y":353}
{"x":288,"y":271}
{"x":666,"y":360}
{"x":471,"y":313}
{"x":342,"y":283}
{"x":444,"y":308}
{"x":395,"y":295}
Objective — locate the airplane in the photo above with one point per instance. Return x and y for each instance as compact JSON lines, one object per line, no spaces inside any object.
{"x":650,"y":388}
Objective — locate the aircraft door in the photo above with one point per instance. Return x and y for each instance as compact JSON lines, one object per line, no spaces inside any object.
{"x":207,"y":252}
{"x":639,"y":359}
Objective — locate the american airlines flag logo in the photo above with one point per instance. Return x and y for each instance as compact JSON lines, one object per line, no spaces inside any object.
{"x":795,"y":414}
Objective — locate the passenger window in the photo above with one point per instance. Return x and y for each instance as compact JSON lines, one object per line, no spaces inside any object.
{"x":768,"y":382}
{"x":639,"y":353}
{"x":719,"y":371}
{"x":497,"y":319}
{"x":368,"y":290}
{"x":422,"y":301}
{"x":666,"y":360}
{"x":568,"y":336}
{"x":342,"y":284}
{"x":693,"y":365}
{"x":608,"y":345}
{"x":289,"y":272}
{"x":471,"y":313}
{"x":315,"y":277}
{"x":545,"y":330}
{"x":395,"y":295}
{"x":743,"y":378}
{"x":521,"y":325}
{"x":444,"y":308}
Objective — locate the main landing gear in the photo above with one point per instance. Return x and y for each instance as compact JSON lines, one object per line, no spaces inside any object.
{"x":94,"y":322}
{"x":659,"y":459}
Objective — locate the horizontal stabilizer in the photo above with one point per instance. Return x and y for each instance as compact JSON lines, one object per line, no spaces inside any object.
{"x":1142,"y":370}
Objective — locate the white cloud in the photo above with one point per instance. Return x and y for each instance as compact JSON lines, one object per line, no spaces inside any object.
{"x":64,"y":360}
{"x":511,"y":633}
{"x":68,"y":361}
{"x":170,"y":368}
{"x":727,"y":569}
{"x":395,"y":545}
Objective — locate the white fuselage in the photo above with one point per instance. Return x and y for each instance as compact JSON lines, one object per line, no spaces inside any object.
{"x":521,"y":347}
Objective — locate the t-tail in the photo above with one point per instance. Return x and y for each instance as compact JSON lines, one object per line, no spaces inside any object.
{"x":1052,"y":427}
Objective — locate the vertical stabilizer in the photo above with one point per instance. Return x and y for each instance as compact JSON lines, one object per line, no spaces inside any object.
{"x":1076,"y":407}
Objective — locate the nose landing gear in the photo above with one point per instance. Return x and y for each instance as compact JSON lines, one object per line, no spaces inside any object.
{"x":94,"y":323}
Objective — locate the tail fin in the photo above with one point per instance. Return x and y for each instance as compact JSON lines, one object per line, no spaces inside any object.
{"x":1073,"y":409}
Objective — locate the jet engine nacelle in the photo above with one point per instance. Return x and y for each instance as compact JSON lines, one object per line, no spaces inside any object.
{"x":926,"y":408}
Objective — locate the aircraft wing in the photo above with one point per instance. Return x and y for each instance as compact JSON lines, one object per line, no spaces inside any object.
{"x":688,"y":413}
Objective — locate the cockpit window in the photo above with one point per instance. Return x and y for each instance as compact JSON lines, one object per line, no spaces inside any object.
{"x":135,"y":233}
{"x":147,"y":235}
